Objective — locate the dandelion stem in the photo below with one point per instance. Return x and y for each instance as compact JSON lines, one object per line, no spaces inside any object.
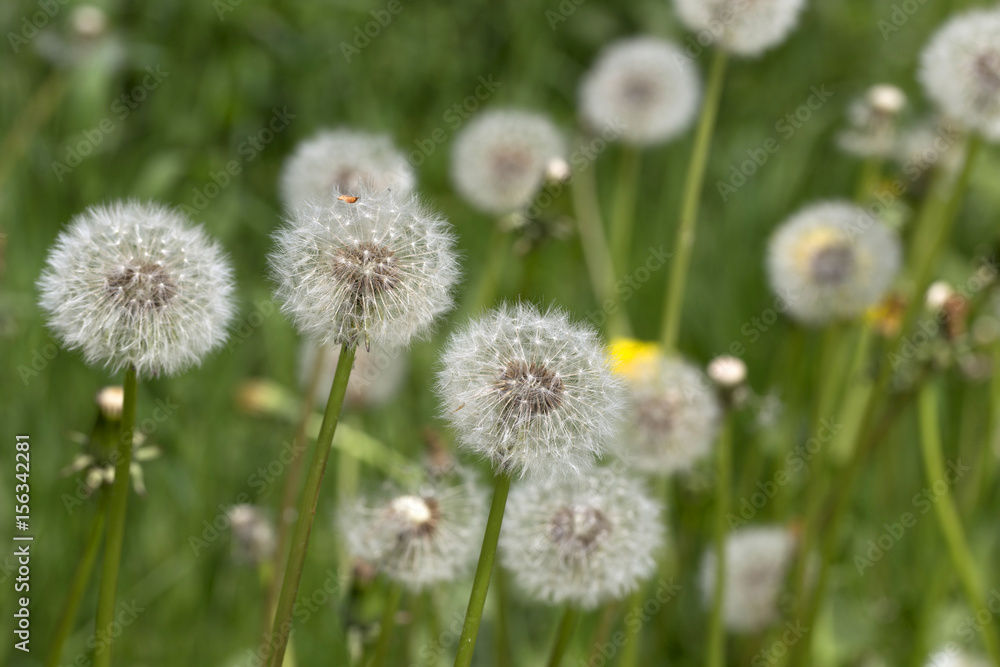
{"x":481,"y":584}
{"x":118,"y":505}
{"x":307,"y":507}
{"x":497,"y":252}
{"x":630,"y":651}
{"x":723,"y":464}
{"x":563,"y":635}
{"x":684,"y":242}
{"x":623,"y":218}
{"x":871,"y":174}
{"x":81,"y":577}
{"x":947,"y":513}
{"x":502,"y":640}
{"x":392,"y":597}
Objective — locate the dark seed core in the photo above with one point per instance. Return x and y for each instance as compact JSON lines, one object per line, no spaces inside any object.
{"x":579,"y":527}
{"x":369,"y":269}
{"x":638,"y":91}
{"x":988,"y":69}
{"x":529,"y":389}
{"x":833,"y":264}
{"x":141,"y":288}
{"x":510,"y":163}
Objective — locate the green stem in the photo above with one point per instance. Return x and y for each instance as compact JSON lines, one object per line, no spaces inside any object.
{"x":684,"y":243}
{"x":563,"y":636}
{"x":392,"y":597}
{"x":481,"y":584}
{"x":502,"y":639}
{"x":871,"y":173}
{"x":116,"y":524}
{"x":307,"y":507}
{"x":947,"y":514}
{"x":497,"y":252}
{"x":81,"y":577}
{"x":623,"y":218}
{"x":630,"y":651}
{"x":723,"y":462}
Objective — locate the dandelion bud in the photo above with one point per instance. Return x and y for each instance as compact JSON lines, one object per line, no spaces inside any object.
{"x":581,"y":542}
{"x":727,"y":372}
{"x":88,"y":21}
{"x":253,"y":534}
{"x":832,"y":260}
{"x":110,"y":401}
{"x":557,"y":170}
{"x":376,"y":271}
{"x":743,"y":27}
{"x":499,"y":160}
{"x":757,"y":562}
{"x":335,"y":162}
{"x":531,"y":392}
{"x":376,"y":377}
{"x":422,"y":537}
{"x":645,"y":88}
{"x":960,"y":70}
{"x":135,"y":284}
{"x":886,"y":99}
{"x":937,"y":295}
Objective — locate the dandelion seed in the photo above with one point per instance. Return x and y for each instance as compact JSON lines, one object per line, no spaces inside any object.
{"x":343,"y":162}
{"x":832,"y":260}
{"x":531,"y":392}
{"x":375,"y":272}
{"x":583,"y":541}
{"x":500,"y":159}
{"x":645,"y":87}
{"x":743,"y":27}
{"x":136,"y":284}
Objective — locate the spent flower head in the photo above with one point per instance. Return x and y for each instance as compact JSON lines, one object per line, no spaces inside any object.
{"x":743,"y":27}
{"x":499,"y":161}
{"x":530,"y":391}
{"x":581,"y":541}
{"x":645,"y":86}
{"x":375,"y":268}
{"x":136,"y":284}
{"x":832,"y":260}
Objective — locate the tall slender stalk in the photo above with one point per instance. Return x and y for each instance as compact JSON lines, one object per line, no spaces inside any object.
{"x":684,"y":243}
{"x":502,"y":640}
{"x":630,"y":650}
{"x":392,"y":597}
{"x":117,"y":509}
{"x":563,"y":636}
{"x":623,"y":217}
{"x":723,"y":470}
{"x":481,"y":583}
{"x":947,"y":513}
{"x":307,"y":507}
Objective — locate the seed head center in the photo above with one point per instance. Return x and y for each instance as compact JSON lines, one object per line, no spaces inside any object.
{"x":529,"y":389}
{"x":579,"y":527}
{"x":832,"y":265}
{"x":988,"y":69}
{"x":367,"y":268}
{"x":140,"y":288}
{"x":422,"y":514}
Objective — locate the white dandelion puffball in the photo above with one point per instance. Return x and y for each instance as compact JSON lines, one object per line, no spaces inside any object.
{"x":960,"y":70}
{"x":757,"y":562}
{"x":953,"y":658}
{"x":342,"y":162}
{"x":743,"y":27}
{"x":583,"y":541}
{"x":674,"y":416}
{"x":135,"y":284}
{"x":531,"y":392}
{"x":421,"y":537}
{"x":873,"y":130}
{"x":499,"y":160}
{"x":375,"y":269}
{"x":376,"y":376}
{"x":832,"y":260}
{"x":645,"y":88}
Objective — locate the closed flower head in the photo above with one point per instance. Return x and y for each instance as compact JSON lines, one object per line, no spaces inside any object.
{"x":744,"y":27}
{"x":135,"y":284}
{"x":531,"y":392}
{"x":832,"y":261}
{"x":582,"y":541}
{"x":499,"y":160}
{"x":644,"y":88}
{"x":419,"y":537}
{"x":960,"y":70}
{"x":374,"y":269}
{"x":338,"y":162}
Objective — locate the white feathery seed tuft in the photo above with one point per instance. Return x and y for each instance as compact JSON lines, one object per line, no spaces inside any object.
{"x":949,"y":657}
{"x":531,"y":392}
{"x":376,"y":376}
{"x":873,"y":122}
{"x":644,"y":87}
{"x":343,"y":162}
{"x":419,"y":537}
{"x":757,"y":562}
{"x":743,"y":27}
{"x":376,"y":271}
{"x":583,"y":541}
{"x":960,"y":70}
{"x":832,"y":260}
{"x":136,"y":284}
{"x":499,"y":161}
{"x":674,"y":417}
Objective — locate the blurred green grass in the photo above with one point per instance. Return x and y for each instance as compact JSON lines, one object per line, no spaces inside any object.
{"x":225,"y":78}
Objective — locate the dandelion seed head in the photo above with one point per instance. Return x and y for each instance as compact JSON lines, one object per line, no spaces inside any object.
{"x":646,"y":88}
{"x":499,"y":161}
{"x":136,"y":284}
{"x":727,"y":371}
{"x":581,"y":541}
{"x":873,"y":122}
{"x":832,"y":260}
{"x":743,"y":27}
{"x":530,"y":391}
{"x":253,"y":534}
{"x":374,"y":272}
{"x":951,"y":658}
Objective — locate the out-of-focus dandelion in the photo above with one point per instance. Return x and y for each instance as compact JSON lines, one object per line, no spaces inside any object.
{"x":253,"y":534}
{"x":377,"y":376}
{"x":951,"y":658}
{"x":743,"y":27}
{"x":873,"y":122}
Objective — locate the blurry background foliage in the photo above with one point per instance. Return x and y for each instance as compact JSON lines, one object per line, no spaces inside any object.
{"x":225,"y":67}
